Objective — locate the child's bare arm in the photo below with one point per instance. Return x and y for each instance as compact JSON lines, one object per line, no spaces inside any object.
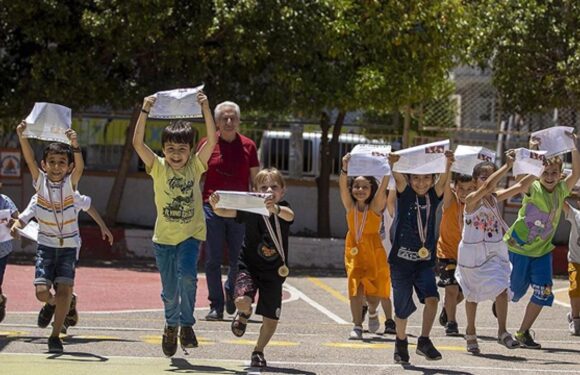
{"x":575,"y":175}
{"x":400,"y":180}
{"x":445,"y":177}
{"x":214,"y":198}
{"x":283,"y":212}
{"x":380,"y":199}
{"x":488,"y":187}
{"x":343,"y":184}
{"x":392,"y":202}
{"x":105,"y":232}
{"x":144,"y":152}
{"x":77,"y":156}
{"x":206,"y":149}
{"x":521,"y":186}
{"x":27,"y":152}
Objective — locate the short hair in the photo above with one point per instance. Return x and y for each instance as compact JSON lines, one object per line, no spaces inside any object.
{"x":220,"y":108}
{"x":556,"y":160}
{"x":479,"y":168}
{"x":460,"y":177}
{"x":57,"y":148}
{"x":177,"y":132}
{"x":269,"y":173}
{"x":371,"y":180}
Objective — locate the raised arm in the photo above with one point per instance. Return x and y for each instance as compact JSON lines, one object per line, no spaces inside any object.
{"x":345,"y":196}
{"x":575,"y":175}
{"x":445,"y":177}
{"x":145,"y":153}
{"x":448,"y":194}
{"x":105,"y":232}
{"x":380,"y":199}
{"x":392,"y":202}
{"x":283,"y":212}
{"x":488,"y":187}
{"x":214,"y":198}
{"x":206,"y":149}
{"x":27,"y":152}
{"x":78,"y":158}
{"x":400,"y":180}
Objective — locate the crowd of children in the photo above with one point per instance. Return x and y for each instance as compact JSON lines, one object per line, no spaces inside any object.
{"x":391,"y":242}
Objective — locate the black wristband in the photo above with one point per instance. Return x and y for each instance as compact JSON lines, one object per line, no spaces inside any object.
{"x":144,"y":111}
{"x":76,"y":149}
{"x":343,"y":171}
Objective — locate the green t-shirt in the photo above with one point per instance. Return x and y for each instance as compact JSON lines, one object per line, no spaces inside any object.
{"x":532,"y":232}
{"x":178,"y":201}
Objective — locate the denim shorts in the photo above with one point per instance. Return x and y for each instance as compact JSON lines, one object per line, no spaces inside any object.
{"x":535,"y":272}
{"x":55,"y":265}
{"x":405,"y":278}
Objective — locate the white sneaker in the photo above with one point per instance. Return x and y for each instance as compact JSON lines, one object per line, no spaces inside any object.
{"x":573,"y":325}
{"x":356,"y":333}
{"x":374,"y":323}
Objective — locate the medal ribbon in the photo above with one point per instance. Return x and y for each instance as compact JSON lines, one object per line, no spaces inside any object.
{"x":60,"y":225}
{"x":360,"y":228}
{"x":276,"y":237}
{"x":420,"y":228}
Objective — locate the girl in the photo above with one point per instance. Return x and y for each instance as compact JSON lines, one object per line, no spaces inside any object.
{"x":388,"y":218}
{"x":483,"y":267}
{"x":364,"y":258}
{"x":573,"y":216}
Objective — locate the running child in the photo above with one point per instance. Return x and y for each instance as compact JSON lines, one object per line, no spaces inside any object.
{"x":263,"y":261}
{"x":572,"y":214}
{"x":388,"y":218}
{"x":5,"y":248}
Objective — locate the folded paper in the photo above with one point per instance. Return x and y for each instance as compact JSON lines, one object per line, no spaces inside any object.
{"x":467,"y":157}
{"x":30,"y":231}
{"x":423,"y":159}
{"x":369,"y":160}
{"x":48,"y":122}
{"x":176,"y":104}
{"x":529,"y":162}
{"x":244,"y":201}
{"x":555,"y":141}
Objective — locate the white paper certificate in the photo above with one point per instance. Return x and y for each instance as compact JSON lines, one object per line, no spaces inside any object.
{"x":467,"y":157}
{"x":30,"y":231}
{"x":568,"y":172}
{"x":48,"y":122}
{"x":555,"y":141}
{"x":4,"y":229}
{"x":175,"y":104}
{"x":369,"y":160}
{"x":244,"y":201}
{"x":529,"y":162}
{"x":423,"y":159}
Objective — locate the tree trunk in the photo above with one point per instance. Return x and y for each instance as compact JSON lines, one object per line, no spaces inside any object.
{"x":116,"y":194}
{"x":327,"y":150}
{"x":407,"y":127}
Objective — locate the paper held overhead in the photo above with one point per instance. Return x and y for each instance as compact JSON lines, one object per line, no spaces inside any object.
{"x":176,"y":104}
{"x":369,"y":160}
{"x":423,"y":159}
{"x":467,"y":157}
{"x":567,"y":172}
{"x":529,"y":162}
{"x":48,"y":122}
{"x":555,"y":141}
{"x":244,"y":201}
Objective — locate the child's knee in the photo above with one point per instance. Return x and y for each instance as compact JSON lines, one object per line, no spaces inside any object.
{"x":42,"y":293}
{"x":431,"y":301}
{"x":243,"y":303}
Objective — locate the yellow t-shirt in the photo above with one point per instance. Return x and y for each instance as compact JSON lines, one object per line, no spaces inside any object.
{"x":178,"y":201}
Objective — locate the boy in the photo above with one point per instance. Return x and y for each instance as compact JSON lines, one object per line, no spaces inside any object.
{"x":262,"y":261}
{"x":449,"y":238}
{"x":5,"y":249}
{"x":412,"y":257}
{"x":180,"y":224}
{"x":58,"y":227}
{"x":572,"y":212}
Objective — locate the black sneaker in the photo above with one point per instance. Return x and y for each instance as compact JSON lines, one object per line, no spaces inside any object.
{"x":443,"y":317}
{"x":214,"y":315}
{"x":258,"y":360}
{"x":365,"y":310}
{"x":187,"y":337}
{"x":401,"y":351}
{"x":451,"y":329}
{"x":65,"y":326}
{"x":3,"y":308}
{"x":54,"y":344}
{"x":72,"y":317}
{"x":169,"y":341}
{"x":493,"y":311}
{"x":426,"y":348}
{"x":230,"y":303}
{"x":45,"y":315}
{"x":526,"y":340}
{"x":390,"y":327}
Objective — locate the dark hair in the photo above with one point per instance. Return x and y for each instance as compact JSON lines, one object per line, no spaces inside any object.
{"x":459,"y":177}
{"x":57,"y":148}
{"x":371,"y":180}
{"x":478,"y":169}
{"x":177,"y":132}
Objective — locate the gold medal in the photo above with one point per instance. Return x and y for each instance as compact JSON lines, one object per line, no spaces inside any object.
{"x":61,"y":240}
{"x":423,"y":253}
{"x":283,"y":271}
{"x":353,"y":251}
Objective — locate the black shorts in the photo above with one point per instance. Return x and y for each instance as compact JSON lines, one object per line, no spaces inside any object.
{"x":446,"y":272}
{"x":270,"y":297}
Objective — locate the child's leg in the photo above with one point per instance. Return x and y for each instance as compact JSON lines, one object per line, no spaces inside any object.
{"x":62,"y":299}
{"x":450,"y":302}
{"x":43,"y":294}
{"x":401,"y":328}
{"x":471,"y":311}
{"x":356,"y":303}
{"x":187,"y":253}
{"x":501,"y":308}
{"x":426,"y":288}
{"x":266,"y":332}
{"x":166,"y":260}
{"x":541,"y":281}
{"x":575,"y":304}
{"x":387,"y":307}
{"x":574,"y":289}
{"x":429,"y":312}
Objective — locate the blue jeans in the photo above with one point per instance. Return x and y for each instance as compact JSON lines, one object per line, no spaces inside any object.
{"x":536,"y":272}
{"x":177,"y":265}
{"x":219,"y":231}
{"x":409,"y":276}
{"x":55,"y":265}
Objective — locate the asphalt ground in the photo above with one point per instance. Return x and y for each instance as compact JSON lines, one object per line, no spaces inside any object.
{"x":121,"y":322}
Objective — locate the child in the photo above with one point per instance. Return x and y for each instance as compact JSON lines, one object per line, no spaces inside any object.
{"x":263,"y":260}
{"x":572,"y":214}
{"x":529,"y":240}
{"x":364,"y":257}
{"x":180,"y":224}
{"x":483,"y":266}
{"x":58,"y":227}
{"x":388,"y":217}
{"x":449,"y":236}
{"x":412,"y":258}
{"x":5,"y":249}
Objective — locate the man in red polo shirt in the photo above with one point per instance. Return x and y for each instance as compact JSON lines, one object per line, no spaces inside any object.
{"x":232,"y":166}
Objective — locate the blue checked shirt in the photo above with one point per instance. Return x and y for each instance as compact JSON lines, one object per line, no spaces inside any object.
{"x":6,"y":204}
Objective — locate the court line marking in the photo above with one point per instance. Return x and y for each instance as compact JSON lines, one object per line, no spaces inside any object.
{"x":557,"y":301}
{"x":316,"y":305}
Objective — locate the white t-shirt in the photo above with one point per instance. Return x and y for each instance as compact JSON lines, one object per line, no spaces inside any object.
{"x":573,"y":216}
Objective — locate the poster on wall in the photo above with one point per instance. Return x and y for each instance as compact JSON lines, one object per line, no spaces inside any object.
{"x":10,"y":163}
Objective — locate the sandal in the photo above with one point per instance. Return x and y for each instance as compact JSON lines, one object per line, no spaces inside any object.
{"x":508,"y":341}
{"x":473,"y":346}
{"x":258,"y":360}
{"x":239,"y":327}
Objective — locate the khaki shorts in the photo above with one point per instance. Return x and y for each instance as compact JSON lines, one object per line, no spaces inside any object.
{"x":574,"y":277}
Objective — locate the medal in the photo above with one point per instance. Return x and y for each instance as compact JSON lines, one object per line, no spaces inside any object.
{"x":61,"y":241}
{"x":354,"y":251}
{"x":423,"y":252}
{"x":359,"y":228}
{"x":283,"y":271}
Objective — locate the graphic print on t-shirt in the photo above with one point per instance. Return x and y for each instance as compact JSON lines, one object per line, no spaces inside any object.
{"x":266,"y":251}
{"x":180,"y":209}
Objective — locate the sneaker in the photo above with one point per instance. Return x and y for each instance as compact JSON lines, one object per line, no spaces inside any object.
{"x":258,"y":360}
{"x":401,"y":355}
{"x":493,"y":311}
{"x":573,"y":324}
{"x":214,"y":315}
{"x":390,"y":327}
{"x":443,"y":317}
{"x":356,"y":333}
{"x":426,"y":348}
{"x":54,"y":344}
{"x":187,"y":337}
{"x":526,"y":340}
{"x":451,"y":329}
{"x":3,"y":308}
{"x":45,"y":315}
{"x":230,"y":303}
{"x":169,"y":341}
{"x":365,"y":310}
{"x":72,"y":317}
{"x":374,"y":323}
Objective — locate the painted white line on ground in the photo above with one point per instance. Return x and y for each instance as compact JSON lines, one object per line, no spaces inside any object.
{"x":316,"y":305}
{"x":558,"y":302}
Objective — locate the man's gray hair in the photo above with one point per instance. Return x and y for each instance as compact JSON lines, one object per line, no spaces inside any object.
{"x":220,"y":107}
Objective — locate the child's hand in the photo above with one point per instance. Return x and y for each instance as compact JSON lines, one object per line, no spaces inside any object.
{"x":106,"y":235}
{"x":510,"y":157}
{"x":148,"y":102}
{"x":271,"y":206}
{"x":214,"y":198}
{"x":575,"y":138}
{"x":72,"y":136}
{"x":535,"y":143}
{"x":202,"y":100}
{"x":21,"y":128}
{"x":450,"y":157}
{"x":13,"y":230}
{"x":393,"y":158}
{"x":345,"y":160}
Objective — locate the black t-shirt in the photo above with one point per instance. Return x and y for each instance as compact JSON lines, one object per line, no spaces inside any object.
{"x":258,"y":254}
